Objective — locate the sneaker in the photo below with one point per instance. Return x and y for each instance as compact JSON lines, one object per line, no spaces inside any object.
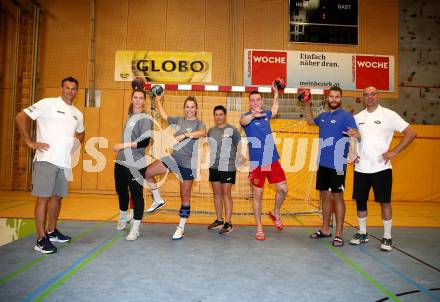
{"x":155,"y":205}
{"x":387,"y":245}
{"x":45,"y":246}
{"x":226,"y":229}
{"x":216,"y":225}
{"x":133,"y":234}
{"x":179,"y":233}
{"x":122,"y":223}
{"x":57,"y":236}
{"x":359,"y":238}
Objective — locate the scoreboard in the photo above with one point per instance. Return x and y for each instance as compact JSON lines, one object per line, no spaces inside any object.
{"x":324,"y":21}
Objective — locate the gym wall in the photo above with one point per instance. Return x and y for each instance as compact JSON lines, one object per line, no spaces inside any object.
{"x":224,"y":28}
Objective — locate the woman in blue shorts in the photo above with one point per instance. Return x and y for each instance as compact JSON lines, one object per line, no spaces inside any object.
{"x":182,"y":161}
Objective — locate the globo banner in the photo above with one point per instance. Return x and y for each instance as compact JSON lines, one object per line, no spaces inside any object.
{"x":163,"y":66}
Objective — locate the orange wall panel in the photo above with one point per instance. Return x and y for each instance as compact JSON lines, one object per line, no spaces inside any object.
{"x":64,"y":42}
{"x":186,"y":21}
{"x":263,"y":25}
{"x":218,"y":33}
{"x":110,"y":127}
{"x":89,"y":180}
{"x":5,"y":154}
{"x":146,"y":25}
{"x":111,"y":35}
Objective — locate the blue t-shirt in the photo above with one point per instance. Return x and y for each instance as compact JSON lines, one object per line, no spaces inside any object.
{"x":333,"y":144}
{"x":262,"y":149}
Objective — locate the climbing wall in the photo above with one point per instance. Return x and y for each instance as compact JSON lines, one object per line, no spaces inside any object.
{"x":419,"y":64}
{"x":419,"y":61}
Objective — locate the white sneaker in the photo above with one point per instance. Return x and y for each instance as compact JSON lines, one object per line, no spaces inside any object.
{"x":387,"y":245}
{"x":155,"y":205}
{"x":133,"y":234}
{"x":179,"y":233}
{"x":122,"y":223}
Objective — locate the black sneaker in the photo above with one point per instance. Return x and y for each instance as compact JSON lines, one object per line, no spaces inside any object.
{"x":57,"y":236}
{"x":217,"y":224}
{"x":359,"y":238}
{"x":387,"y":245}
{"x":45,"y":246}
{"x":226,"y":229}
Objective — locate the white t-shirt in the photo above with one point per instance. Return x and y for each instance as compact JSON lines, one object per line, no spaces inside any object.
{"x":57,"y":123}
{"x":376,"y":130}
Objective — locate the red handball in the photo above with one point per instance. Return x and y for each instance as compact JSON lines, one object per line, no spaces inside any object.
{"x":280,"y":83}
{"x":304,"y":95}
{"x":138,"y":84}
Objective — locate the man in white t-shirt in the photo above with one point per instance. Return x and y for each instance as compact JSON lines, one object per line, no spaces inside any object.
{"x":59,"y":126}
{"x":376,"y":126}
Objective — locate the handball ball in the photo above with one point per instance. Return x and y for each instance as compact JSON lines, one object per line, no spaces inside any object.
{"x":304,"y":95}
{"x":280,"y":83}
{"x":157,"y":90}
{"x":138,"y":84}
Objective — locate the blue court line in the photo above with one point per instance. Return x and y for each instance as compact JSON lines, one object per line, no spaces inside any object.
{"x":356,"y":267}
{"x":47,"y":285}
{"x":401,"y":275}
{"x":5,"y":278}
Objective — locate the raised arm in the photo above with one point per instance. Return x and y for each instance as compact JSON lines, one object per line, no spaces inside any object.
{"x":309,"y":114}
{"x":162,"y":112}
{"x":275,"y":103}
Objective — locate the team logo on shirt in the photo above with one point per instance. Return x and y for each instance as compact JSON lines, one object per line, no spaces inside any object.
{"x":32,"y":108}
{"x":62,"y":112}
{"x":377,"y":122}
{"x":75,"y":117}
{"x":333,"y":121}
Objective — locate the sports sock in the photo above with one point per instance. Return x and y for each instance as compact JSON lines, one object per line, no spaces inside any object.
{"x":387,"y":228}
{"x":136,"y":223}
{"x":156,"y":194}
{"x":182,"y":222}
{"x":122,"y":214}
{"x":362,"y":225}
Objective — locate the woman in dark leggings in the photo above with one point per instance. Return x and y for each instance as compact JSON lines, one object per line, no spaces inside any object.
{"x":130,"y":164}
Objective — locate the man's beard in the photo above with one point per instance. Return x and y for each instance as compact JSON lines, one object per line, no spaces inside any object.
{"x":334,"y":107}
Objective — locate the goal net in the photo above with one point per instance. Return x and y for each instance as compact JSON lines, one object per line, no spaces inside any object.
{"x":296,"y":142}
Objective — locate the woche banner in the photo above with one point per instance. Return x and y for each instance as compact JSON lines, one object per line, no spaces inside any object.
{"x":163,"y":66}
{"x":319,"y":69}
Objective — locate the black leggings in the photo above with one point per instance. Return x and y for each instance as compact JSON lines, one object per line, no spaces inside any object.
{"x":124,"y":181}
